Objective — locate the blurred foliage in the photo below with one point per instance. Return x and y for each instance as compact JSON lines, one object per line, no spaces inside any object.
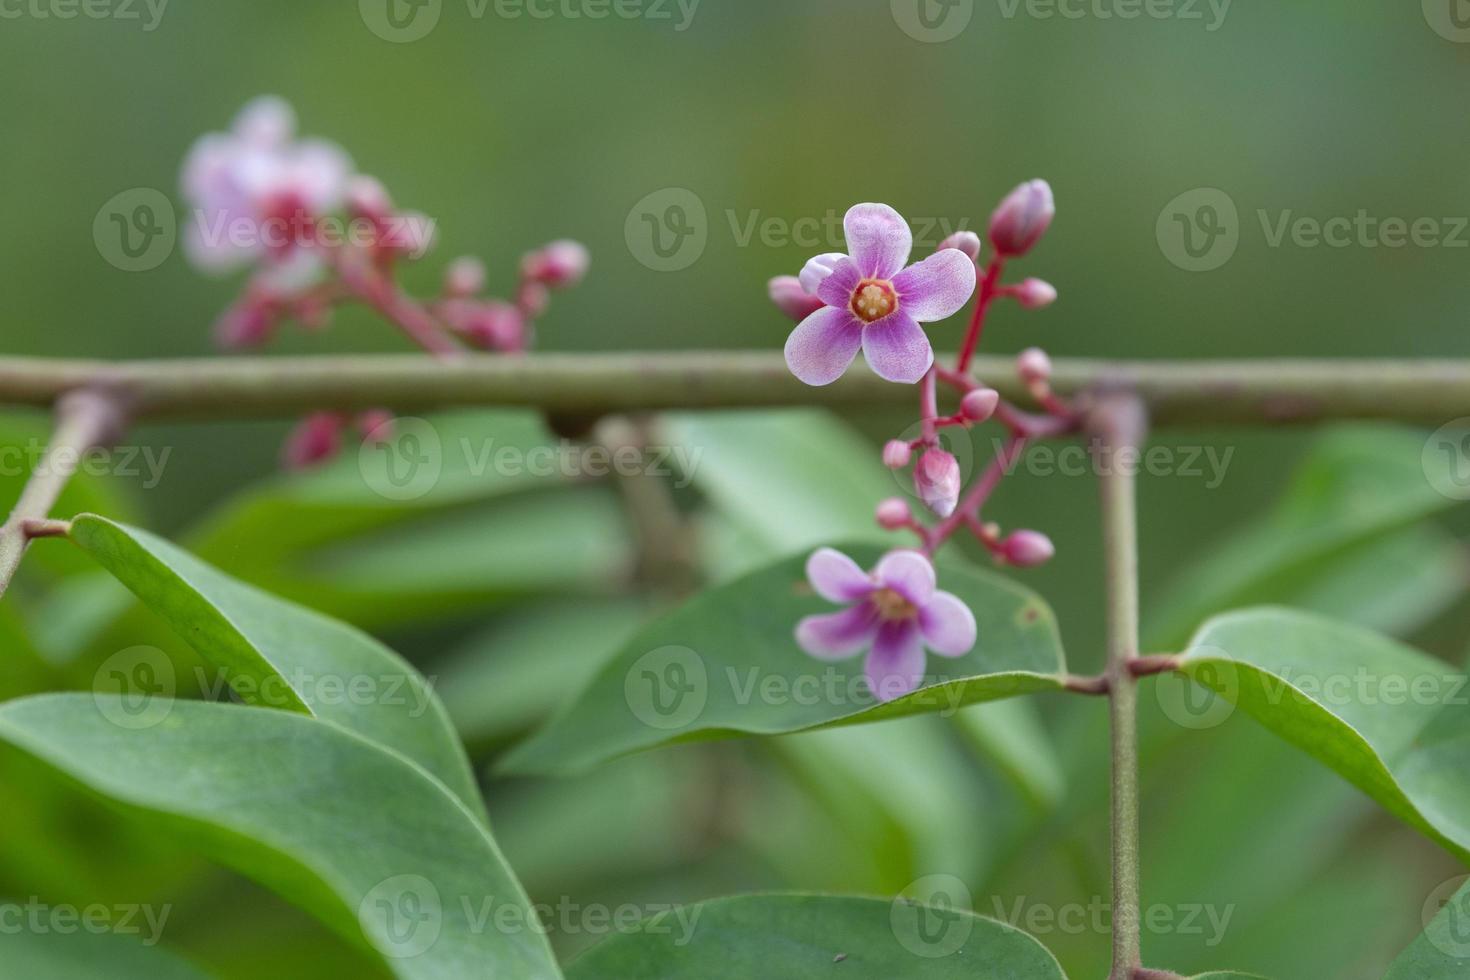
{"x":514,"y":131}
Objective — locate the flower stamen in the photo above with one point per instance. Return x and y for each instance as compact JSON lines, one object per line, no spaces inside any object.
{"x":873,"y":299}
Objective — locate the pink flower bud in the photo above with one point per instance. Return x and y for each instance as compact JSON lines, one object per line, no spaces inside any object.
{"x":966,"y":241}
{"x":368,"y":198}
{"x":980,"y":404}
{"x":465,"y":277}
{"x":494,"y":325}
{"x":789,"y":296}
{"x":1033,"y":365}
{"x":532,"y":298}
{"x":247,"y":324}
{"x":1027,"y":549}
{"x":1036,"y":293}
{"x":376,"y":425}
{"x":411,"y":233}
{"x":1022,"y":218}
{"x":894,"y":514}
{"x":937,"y":480}
{"x":315,"y":439}
{"x":896,"y":454}
{"x":558,"y":265}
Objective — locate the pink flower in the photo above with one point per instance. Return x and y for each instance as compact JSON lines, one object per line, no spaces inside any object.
{"x":872,"y":301}
{"x":894,"y":613}
{"x":255,"y":192}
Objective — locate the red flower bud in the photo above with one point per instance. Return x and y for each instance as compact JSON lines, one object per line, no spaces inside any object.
{"x":896,"y":454}
{"x":937,"y":480}
{"x":1022,"y":218}
{"x":1027,"y":548}
{"x":1036,"y":293}
{"x":894,"y":514}
{"x":980,"y":404}
{"x":792,"y":299}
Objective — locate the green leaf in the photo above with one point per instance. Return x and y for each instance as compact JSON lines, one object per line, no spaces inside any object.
{"x":1442,"y":950}
{"x":348,"y":829}
{"x":514,"y":675}
{"x":817,"y":936}
{"x":793,"y":479}
{"x":55,"y":955}
{"x":277,"y":654}
{"x":1358,"y":483}
{"x":1390,"y":720}
{"x":726,"y":664}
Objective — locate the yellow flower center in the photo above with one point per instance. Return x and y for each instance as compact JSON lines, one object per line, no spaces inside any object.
{"x":893,"y":607}
{"x":874,"y":299}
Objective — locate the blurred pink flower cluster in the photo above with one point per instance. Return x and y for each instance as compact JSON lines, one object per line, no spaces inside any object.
{"x":872,"y":299}
{"x":315,"y":234}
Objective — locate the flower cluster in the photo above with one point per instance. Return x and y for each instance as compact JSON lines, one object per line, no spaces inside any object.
{"x":315,"y":234}
{"x":871,"y":299}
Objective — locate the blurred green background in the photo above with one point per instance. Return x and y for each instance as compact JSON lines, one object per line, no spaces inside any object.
{"x":513,"y":130}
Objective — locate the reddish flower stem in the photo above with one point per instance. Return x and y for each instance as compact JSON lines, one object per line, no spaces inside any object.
{"x":985,"y":294}
{"x":383,"y":295}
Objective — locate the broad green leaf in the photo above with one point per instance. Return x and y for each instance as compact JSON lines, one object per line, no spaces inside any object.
{"x":279,"y":518}
{"x":274,"y":653}
{"x":793,"y":479}
{"x":1442,"y":950}
{"x":817,"y":936}
{"x":915,"y":817}
{"x":726,"y":664}
{"x":1390,"y":720}
{"x":573,"y":541}
{"x":1009,"y":734}
{"x":79,"y":952}
{"x":513,"y":675}
{"x":1358,"y":483}
{"x":352,"y":831}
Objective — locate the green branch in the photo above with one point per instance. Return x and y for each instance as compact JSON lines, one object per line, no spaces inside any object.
{"x":1265,"y":392}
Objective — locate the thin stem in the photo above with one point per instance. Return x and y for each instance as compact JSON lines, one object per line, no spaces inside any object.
{"x":84,"y":420}
{"x":984,"y":295}
{"x":382,"y":294}
{"x":1119,"y":423}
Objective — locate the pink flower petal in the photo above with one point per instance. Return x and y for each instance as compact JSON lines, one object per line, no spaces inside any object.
{"x":837,"y":287}
{"x":909,"y":574}
{"x":836,"y":636}
{"x":897,"y":348}
{"x":817,"y":269}
{"x":823,"y":345}
{"x":878,"y":239}
{"x":896,"y":665}
{"x":836,"y":577}
{"x":948,"y":625}
{"x":937,"y":287}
